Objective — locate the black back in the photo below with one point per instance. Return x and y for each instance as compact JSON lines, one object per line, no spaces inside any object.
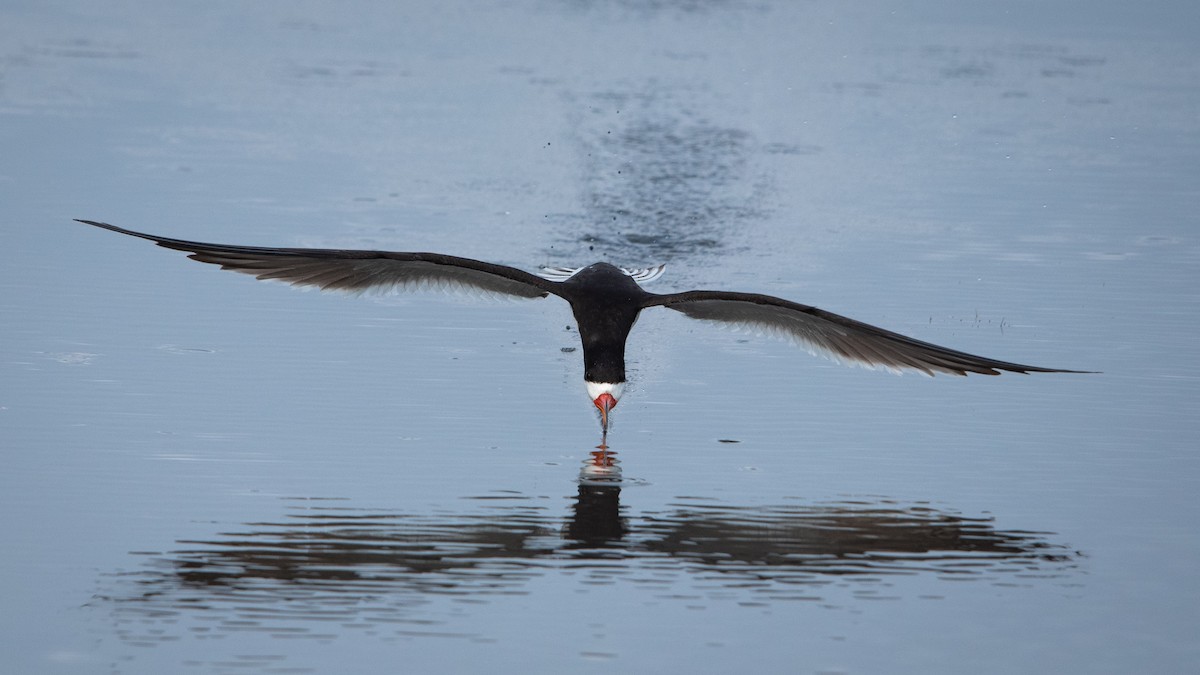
{"x":606,"y":304}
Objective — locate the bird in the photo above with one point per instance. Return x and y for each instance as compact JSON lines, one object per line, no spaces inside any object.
{"x":606,"y":301}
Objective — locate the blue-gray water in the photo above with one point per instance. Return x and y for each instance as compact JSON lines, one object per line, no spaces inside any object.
{"x":205,"y":473}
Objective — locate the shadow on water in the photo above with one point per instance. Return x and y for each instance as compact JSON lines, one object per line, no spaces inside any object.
{"x":326,"y":566}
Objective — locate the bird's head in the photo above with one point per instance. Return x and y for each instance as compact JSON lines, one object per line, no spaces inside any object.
{"x":604,"y":396}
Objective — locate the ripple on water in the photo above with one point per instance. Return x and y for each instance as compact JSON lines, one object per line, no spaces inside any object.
{"x":323,"y":568}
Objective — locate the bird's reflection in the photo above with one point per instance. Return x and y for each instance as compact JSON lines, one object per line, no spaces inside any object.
{"x":328,"y":560}
{"x":596,"y":519}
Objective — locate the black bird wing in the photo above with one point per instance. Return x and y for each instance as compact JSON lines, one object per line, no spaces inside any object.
{"x":834,"y":336}
{"x":357,"y":271}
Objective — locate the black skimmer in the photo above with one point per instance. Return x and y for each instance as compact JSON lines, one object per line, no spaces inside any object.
{"x":606,"y":301}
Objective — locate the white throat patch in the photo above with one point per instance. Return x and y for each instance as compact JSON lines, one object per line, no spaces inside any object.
{"x":614,"y":389}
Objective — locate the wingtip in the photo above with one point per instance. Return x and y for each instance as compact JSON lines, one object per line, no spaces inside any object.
{"x":118,"y":230}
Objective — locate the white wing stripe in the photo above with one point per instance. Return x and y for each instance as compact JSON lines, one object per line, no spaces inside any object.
{"x":641,"y":275}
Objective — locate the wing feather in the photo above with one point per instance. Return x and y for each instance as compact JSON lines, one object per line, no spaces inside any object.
{"x":834,"y":336}
{"x":639,"y":274}
{"x":356,"y":271}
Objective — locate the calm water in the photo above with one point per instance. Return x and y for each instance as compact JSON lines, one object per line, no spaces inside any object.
{"x":203,"y":473}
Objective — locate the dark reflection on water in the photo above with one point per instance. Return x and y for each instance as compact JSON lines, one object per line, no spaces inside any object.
{"x":853,"y":537}
{"x":596,"y":514}
{"x":325,"y":566}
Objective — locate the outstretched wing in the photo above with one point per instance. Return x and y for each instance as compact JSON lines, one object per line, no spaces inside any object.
{"x":356,"y":271}
{"x":834,"y":336}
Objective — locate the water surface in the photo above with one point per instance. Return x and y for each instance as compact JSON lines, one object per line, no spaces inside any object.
{"x":204,"y":473}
